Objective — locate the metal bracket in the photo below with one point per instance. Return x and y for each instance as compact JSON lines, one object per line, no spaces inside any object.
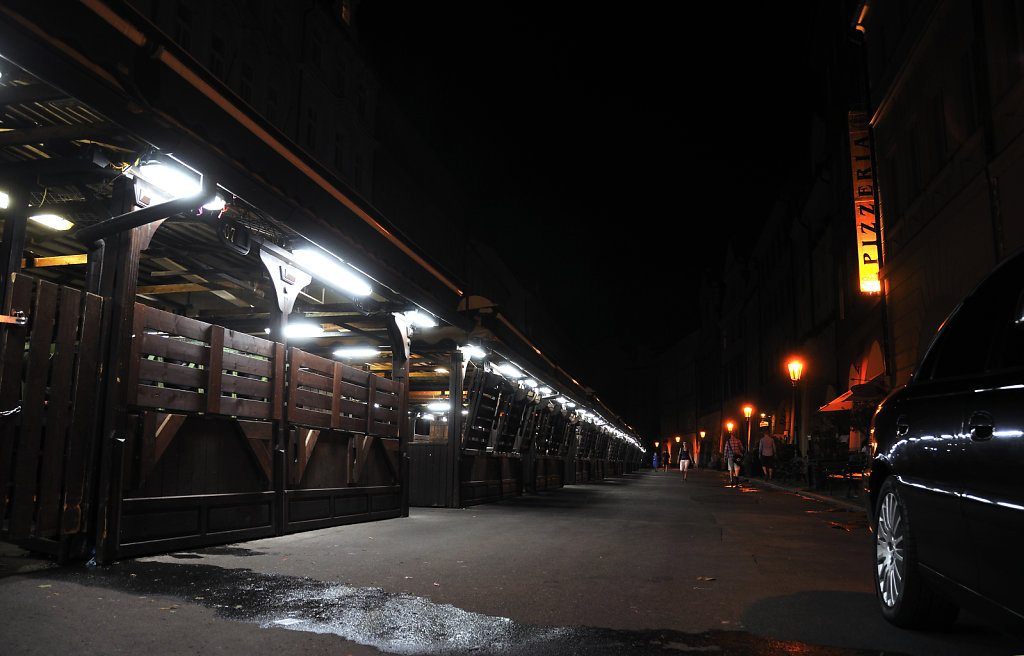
{"x":18,"y":318}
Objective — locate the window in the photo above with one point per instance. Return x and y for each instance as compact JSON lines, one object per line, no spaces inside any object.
{"x":217,"y":56}
{"x":245,"y":82}
{"x":983,"y":336}
{"x":183,"y":27}
{"x":310,"y":127}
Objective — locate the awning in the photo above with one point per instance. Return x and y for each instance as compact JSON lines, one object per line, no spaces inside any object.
{"x":842,"y":402}
{"x":871,"y":391}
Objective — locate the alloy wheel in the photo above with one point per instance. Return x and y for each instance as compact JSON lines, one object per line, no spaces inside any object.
{"x":890,"y":539}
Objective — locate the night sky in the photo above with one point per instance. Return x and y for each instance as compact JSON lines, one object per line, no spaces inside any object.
{"x":625,"y":147}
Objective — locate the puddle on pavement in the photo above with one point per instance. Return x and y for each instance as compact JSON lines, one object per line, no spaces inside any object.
{"x":399,"y":623}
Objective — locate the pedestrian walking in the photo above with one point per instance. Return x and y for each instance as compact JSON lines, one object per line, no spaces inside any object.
{"x":664,"y":460}
{"x":733,"y":452}
{"x":655,"y":461}
{"x":766,"y":453}
{"x":684,"y":459}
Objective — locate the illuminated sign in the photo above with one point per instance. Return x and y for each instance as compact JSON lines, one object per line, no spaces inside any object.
{"x":865,"y":210}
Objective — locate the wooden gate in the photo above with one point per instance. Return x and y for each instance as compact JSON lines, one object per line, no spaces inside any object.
{"x":236,"y":437}
{"x":49,"y":384}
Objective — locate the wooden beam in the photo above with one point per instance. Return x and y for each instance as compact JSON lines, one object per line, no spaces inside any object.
{"x":171,"y":289}
{"x":57,"y":260}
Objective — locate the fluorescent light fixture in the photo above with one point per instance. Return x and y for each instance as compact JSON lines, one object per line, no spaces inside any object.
{"x":441,"y":370}
{"x":510,"y":371}
{"x":302,"y":330}
{"x":5,"y":200}
{"x":52,"y":221}
{"x":356,"y":352}
{"x":427,"y":417}
{"x":175,"y":182}
{"x":421,"y":319}
{"x":545,"y":391}
{"x":438,"y":406}
{"x":329,"y":269}
{"x":473,"y":351}
{"x":529,"y":382}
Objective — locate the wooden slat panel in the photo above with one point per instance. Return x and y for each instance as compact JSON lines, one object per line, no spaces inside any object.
{"x":171,"y":399}
{"x":353,"y":391}
{"x":247,"y":386}
{"x":175,"y":324}
{"x":26,"y":466}
{"x":10,"y":385}
{"x":249,"y":344}
{"x":173,"y":374}
{"x":301,"y":416}
{"x":388,"y":386}
{"x":310,"y":399}
{"x":213,"y":371}
{"x":169,"y":348}
{"x":351,"y":424}
{"x":82,"y":422}
{"x":316,"y":380}
{"x":385,"y":430}
{"x":245,"y":364}
{"x":246,"y":408}
{"x":58,"y":411}
{"x":351,"y":408}
{"x":371,"y":386}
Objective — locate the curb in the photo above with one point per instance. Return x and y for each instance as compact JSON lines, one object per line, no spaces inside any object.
{"x":848,"y":505}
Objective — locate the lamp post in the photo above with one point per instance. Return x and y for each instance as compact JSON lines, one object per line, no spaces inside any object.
{"x":747,"y":411}
{"x":700,"y":447}
{"x":796,"y":367}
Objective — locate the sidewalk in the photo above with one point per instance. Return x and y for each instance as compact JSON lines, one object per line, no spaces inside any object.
{"x":840,"y":493}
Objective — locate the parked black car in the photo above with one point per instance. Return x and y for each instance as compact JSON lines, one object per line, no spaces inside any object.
{"x":946,"y":490}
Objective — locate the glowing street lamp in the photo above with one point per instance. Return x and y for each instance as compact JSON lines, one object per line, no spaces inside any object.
{"x":796,"y":368}
{"x":747,"y":411}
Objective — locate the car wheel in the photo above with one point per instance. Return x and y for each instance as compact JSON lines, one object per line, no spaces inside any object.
{"x":904,"y":596}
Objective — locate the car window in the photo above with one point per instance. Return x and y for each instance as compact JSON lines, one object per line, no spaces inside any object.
{"x":984,"y":335}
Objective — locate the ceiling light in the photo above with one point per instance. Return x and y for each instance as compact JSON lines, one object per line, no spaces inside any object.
{"x":52,"y":221}
{"x":329,"y":270}
{"x":302,"y":330}
{"x":356,"y":352}
{"x":421,"y":319}
{"x":473,"y":351}
{"x":438,"y":406}
{"x":175,"y":182}
{"x":510,"y":371}
{"x":5,"y":201}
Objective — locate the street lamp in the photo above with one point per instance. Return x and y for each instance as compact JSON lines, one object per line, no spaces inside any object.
{"x":747,"y":411}
{"x":796,"y":367}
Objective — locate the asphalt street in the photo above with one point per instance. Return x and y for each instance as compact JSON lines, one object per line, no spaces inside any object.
{"x":641,"y":564}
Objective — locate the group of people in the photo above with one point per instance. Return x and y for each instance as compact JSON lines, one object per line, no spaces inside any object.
{"x":733,"y":451}
{"x":683,"y":457}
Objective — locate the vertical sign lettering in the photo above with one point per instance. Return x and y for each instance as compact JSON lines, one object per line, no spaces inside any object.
{"x":865,"y":211}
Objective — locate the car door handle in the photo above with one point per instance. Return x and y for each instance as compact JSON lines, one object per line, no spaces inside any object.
{"x":902,"y":426}
{"x":981,"y":425}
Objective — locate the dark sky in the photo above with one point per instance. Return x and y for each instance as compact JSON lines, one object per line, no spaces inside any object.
{"x":620,"y":148}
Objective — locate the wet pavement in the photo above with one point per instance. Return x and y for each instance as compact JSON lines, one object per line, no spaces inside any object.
{"x":645,"y":564}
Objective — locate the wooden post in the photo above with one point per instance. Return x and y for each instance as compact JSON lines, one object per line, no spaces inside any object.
{"x":119,"y":277}
{"x":456,"y":379}
{"x":398,"y":330}
{"x":15,"y":222}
